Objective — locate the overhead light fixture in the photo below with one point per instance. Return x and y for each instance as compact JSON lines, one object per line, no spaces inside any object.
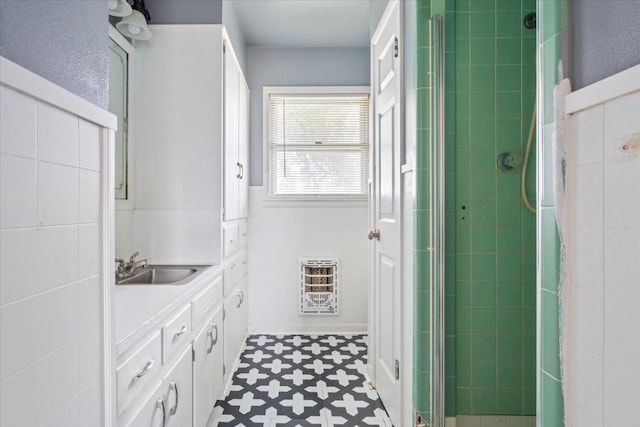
{"x":119,"y":8}
{"x":135,"y":25}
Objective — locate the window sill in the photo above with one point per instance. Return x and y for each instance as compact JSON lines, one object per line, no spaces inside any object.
{"x":312,"y":202}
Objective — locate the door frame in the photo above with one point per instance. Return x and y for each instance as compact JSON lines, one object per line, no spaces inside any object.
{"x":407,"y":167}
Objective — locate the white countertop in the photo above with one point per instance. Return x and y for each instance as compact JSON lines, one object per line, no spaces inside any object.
{"x":141,"y":308}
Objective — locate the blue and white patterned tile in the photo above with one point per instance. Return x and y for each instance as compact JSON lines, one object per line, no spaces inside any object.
{"x":302,"y":380}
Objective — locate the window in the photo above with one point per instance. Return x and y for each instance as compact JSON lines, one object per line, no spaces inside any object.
{"x":318,"y":142}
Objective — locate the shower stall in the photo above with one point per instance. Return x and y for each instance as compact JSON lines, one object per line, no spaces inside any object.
{"x":475,"y":253}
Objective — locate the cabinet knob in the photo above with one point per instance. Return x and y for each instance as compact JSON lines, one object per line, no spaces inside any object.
{"x":374,"y":234}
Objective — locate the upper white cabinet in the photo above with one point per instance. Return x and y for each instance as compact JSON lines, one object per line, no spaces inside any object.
{"x":236,"y":140}
{"x":191,"y":143}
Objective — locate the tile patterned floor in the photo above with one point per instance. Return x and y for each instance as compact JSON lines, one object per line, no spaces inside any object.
{"x":302,"y":380}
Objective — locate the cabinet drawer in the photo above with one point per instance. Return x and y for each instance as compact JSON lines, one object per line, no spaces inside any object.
{"x":138,"y":371}
{"x":243,"y":234}
{"x":205,"y":302}
{"x":234,"y":271}
{"x":176,"y":333}
{"x":230,"y":238}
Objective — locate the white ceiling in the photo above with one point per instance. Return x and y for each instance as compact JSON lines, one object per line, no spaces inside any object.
{"x":304,"y":23}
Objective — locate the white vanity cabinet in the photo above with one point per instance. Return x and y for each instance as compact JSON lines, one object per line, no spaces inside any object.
{"x":208,"y":366}
{"x":174,"y":373}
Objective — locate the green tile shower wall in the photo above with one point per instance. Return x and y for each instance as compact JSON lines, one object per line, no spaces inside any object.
{"x":552,"y":21}
{"x":492,"y":279}
{"x":422,"y":329}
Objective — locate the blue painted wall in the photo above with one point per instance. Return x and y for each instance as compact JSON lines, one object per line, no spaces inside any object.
{"x":201,"y":12}
{"x":606,"y":38}
{"x":297,"y":67}
{"x":185,"y":11}
{"x":64,"y":41}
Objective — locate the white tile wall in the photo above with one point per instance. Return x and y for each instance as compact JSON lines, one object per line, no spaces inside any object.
{"x":17,"y":123}
{"x":50,"y":266}
{"x":88,"y":151}
{"x":57,"y":380}
{"x":88,"y":250}
{"x":89,"y":304}
{"x":17,"y":255}
{"x":57,"y":135}
{"x":19,"y":332}
{"x":57,"y":194}
{"x":57,"y":318}
{"x":57,"y":256}
{"x":17,"y":191}
{"x":18,"y":404}
{"x":603,"y":353}
{"x":89,"y":196}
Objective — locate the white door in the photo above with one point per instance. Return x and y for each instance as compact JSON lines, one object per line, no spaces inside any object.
{"x":386,"y":197}
{"x":231,"y":164}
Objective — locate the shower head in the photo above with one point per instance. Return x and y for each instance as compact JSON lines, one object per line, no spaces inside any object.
{"x":530,"y":21}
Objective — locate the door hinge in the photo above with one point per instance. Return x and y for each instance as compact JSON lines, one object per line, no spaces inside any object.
{"x":396,"y":50}
{"x":224,"y":314}
{"x":224,"y":370}
{"x":193,"y":354}
{"x":224,"y":48}
{"x":397,"y":370}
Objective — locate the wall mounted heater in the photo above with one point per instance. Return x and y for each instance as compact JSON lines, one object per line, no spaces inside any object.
{"x":319,"y":280}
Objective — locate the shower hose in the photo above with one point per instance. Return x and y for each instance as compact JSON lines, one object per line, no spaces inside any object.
{"x":527,"y":153}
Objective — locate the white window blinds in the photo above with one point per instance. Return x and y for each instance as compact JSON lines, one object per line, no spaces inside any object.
{"x":318,"y":144}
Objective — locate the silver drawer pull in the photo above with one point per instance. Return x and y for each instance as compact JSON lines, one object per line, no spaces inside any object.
{"x":147,"y":367}
{"x":214,"y":341}
{"x":160,"y":405}
{"x":240,"y":295}
{"x":173,"y":386}
{"x":215,"y":328}
{"x":181,"y":331}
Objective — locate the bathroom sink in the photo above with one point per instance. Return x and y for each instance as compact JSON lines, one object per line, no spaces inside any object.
{"x":163,"y":275}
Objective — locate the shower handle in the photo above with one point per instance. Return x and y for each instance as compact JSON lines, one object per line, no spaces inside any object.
{"x":374,"y":234}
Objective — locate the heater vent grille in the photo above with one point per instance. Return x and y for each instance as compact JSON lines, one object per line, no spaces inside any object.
{"x":319,"y":286}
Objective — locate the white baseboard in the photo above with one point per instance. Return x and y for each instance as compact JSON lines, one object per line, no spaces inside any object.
{"x":352,"y":328}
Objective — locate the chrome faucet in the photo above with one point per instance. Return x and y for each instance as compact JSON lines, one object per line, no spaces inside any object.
{"x":126,"y":269}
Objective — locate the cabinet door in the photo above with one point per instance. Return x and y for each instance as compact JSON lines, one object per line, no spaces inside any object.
{"x":178,"y":394}
{"x":207,"y":369}
{"x":243,"y":150}
{"x":235,"y":326}
{"x":232,"y":168}
{"x":152,"y":412}
{"x":217,"y":353}
{"x":202,"y":375}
